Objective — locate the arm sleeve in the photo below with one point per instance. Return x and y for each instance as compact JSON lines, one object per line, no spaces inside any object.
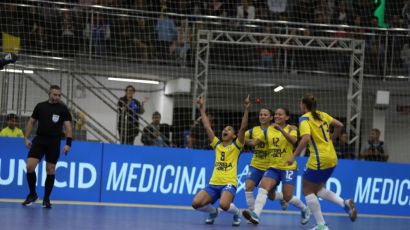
{"x":293,"y":133}
{"x":304,"y":127}
{"x":67,"y":115}
{"x":247,"y":135}
{"x":36,"y":112}
{"x":214,"y":142}
{"x":239,"y":144}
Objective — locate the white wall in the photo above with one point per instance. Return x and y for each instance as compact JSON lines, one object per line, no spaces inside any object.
{"x":94,"y":106}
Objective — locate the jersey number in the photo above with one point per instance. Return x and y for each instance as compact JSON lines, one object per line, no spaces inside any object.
{"x":325,"y":129}
{"x":222,"y":156}
{"x":275,"y":141}
{"x":289,"y":175}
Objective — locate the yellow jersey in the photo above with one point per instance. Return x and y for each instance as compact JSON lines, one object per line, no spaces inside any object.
{"x":322,"y":152}
{"x":7,"y":132}
{"x":226,"y":162}
{"x":260,"y":158}
{"x":280,"y":149}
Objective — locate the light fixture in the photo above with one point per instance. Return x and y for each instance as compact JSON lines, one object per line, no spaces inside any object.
{"x":278,"y":88}
{"x":133,"y":80}
{"x":17,"y":71}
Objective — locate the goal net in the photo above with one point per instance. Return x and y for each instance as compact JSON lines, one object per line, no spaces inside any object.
{"x":353,"y":57}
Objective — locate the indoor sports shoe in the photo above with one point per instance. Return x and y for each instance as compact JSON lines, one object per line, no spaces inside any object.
{"x":350,"y":208}
{"x":251,"y":216}
{"x":46,"y":204}
{"x":211,"y":218}
{"x":236,"y":219}
{"x":305,"y":213}
{"x":320,"y":227}
{"x":284,"y":205}
{"x":31,"y":198}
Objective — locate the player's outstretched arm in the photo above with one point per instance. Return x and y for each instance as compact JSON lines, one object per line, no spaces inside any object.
{"x":244,"y":123}
{"x":207,"y":125}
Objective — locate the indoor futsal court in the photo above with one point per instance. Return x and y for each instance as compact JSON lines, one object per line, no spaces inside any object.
{"x":129,"y":216}
{"x":158,"y":115}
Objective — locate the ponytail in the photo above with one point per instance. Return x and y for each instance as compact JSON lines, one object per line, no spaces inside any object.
{"x":310,"y":102}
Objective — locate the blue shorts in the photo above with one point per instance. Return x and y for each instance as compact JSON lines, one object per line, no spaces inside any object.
{"x":284,"y":176}
{"x":317,"y":176}
{"x":215,"y":191}
{"x":255,"y":175}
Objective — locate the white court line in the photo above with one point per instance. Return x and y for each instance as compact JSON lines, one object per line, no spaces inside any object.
{"x":190,"y":208}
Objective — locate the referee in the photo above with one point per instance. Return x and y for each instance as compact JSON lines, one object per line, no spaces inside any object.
{"x":51,"y":116}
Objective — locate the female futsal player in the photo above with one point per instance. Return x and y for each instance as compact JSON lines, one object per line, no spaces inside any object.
{"x":280,"y":140}
{"x":223,"y":182}
{"x":260,"y":160}
{"x":314,"y":129}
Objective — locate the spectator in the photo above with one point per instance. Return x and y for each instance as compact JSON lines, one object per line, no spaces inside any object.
{"x":197,"y":134}
{"x":374,"y":150}
{"x":218,"y":8}
{"x":266,"y":55}
{"x":245,"y":10}
{"x":183,"y":43}
{"x":167,"y":33}
{"x":405,"y":57}
{"x":277,"y":8}
{"x":156,"y":134}
{"x":129,"y":110}
{"x":68,"y":33}
{"x":341,"y":15}
{"x":99,"y":32}
{"x":343,"y":149}
{"x":141,"y":39}
{"x":11,"y":130}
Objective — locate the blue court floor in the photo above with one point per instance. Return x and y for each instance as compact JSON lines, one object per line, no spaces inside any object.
{"x":14,"y":216}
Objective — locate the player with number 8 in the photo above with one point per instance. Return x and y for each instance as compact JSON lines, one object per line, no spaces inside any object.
{"x":223,"y":182}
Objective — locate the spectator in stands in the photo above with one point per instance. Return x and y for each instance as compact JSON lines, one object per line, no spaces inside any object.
{"x":129,"y":110}
{"x":68,"y":33}
{"x":197,"y":134}
{"x":99,"y":32}
{"x":343,"y":149}
{"x":166,"y":32}
{"x":11,"y":130}
{"x":341,"y":15}
{"x":374,"y":150}
{"x":218,"y":8}
{"x":157,"y":133}
{"x":245,"y":10}
{"x":266,"y":55}
{"x":405,"y":57}
{"x":277,"y":8}
{"x":182,"y":45}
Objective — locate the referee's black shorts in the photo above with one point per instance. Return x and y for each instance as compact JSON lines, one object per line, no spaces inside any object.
{"x":48,"y":146}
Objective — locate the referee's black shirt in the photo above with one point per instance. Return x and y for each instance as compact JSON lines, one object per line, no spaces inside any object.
{"x":51,"y":118}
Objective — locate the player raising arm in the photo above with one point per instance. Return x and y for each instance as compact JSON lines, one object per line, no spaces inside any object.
{"x":314,"y":130}
{"x":223,"y":182}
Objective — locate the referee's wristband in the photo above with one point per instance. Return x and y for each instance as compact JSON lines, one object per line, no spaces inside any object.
{"x":68,"y":141}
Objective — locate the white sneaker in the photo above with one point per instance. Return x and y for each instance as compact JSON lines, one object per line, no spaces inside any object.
{"x":320,"y":227}
{"x":305,"y":213}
